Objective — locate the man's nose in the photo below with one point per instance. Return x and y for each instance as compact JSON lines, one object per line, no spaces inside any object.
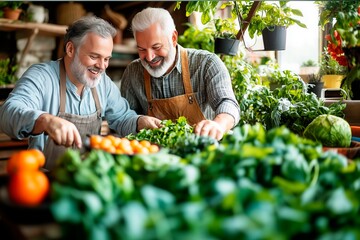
{"x":149,"y":55}
{"x":101,"y":63}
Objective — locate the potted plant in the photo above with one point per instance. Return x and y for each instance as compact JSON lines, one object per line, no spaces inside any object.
{"x":315,"y":85}
{"x":343,"y":40}
{"x":225,"y":36}
{"x":331,"y":71}
{"x":271,"y":20}
{"x":11,"y":9}
{"x":308,"y":68}
{"x":268,"y":16}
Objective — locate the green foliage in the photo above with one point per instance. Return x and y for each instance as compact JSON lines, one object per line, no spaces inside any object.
{"x":309,"y":63}
{"x":314,"y":78}
{"x":330,"y":9}
{"x":256,"y":184}
{"x":196,"y":38}
{"x":191,"y":144}
{"x":225,"y":28}
{"x":7,"y":72}
{"x":11,"y":4}
{"x":274,"y":14}
{"x":167,"y":135}
{"x":207,"y":8}
{"x":268,"y":14}
{"x":289,"y":105}
{"x":348,"y":26}
{"x":329,"y":66}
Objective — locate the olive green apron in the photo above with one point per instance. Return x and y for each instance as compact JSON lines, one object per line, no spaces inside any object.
{"x":174,"y":107}
{"x":86,"y":124}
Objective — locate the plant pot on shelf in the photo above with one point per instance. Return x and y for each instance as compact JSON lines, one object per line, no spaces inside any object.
{"x":316,"y":88}
{"x":274,"y":38}
{"x":332,"y":81}
{"x":12,"y":14}
{"x":228,"y":46}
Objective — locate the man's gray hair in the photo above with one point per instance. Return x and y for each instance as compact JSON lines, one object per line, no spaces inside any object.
{"x":88,"y":24}
{"x":147,"y":17}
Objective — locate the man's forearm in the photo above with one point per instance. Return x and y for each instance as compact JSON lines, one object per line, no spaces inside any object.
{"x":41,"y":123}
{"x":226,"y":121}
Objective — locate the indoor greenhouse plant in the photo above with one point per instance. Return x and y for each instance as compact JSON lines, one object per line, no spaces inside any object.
{"x":225,"y":36}
{"x":315,"y":85}
{"x":343,"y":40}
{"x":331,"y":71}
{"x":274,"y":18}
{"x":11,"y":9}
{"x":267,"y":16}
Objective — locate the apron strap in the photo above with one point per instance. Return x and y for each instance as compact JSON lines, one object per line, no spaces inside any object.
{"x":63,"y":91}
{"x":185,"y":71}
{"x":147,"y":85}
{"x":97,"y":101}
{"x":62,"y":86}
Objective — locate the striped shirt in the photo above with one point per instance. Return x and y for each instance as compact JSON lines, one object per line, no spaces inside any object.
{"x":210,"y":81}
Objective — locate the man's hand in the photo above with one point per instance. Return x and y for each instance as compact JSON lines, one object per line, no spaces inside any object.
{"x":216,"y":128}
{"x":209,"y":128}
{"x":148,"y":123}
{"x":61,"y":131}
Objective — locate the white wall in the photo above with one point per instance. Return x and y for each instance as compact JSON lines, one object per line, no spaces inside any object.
{"x":302,"y":44}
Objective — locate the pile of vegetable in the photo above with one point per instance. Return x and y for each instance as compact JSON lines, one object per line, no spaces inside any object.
{"x":330,"y":131}
{"x":288,"y":105}
{"x":255,"y":184}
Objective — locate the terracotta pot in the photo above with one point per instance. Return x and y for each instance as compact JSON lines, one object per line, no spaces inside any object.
{"x":355,"y":131}
{"x":12,"y":14}
{"x":351,"y":152}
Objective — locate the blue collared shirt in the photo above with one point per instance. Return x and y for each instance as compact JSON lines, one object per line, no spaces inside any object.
{"x":38,"y":92}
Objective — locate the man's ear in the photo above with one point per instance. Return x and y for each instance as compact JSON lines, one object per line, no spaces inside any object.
{"x":174,"y":38}
{"x":70,"y":50}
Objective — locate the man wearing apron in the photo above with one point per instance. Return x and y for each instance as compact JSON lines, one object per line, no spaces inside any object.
{"x":169,"y":81}
{"x":58,"y":103}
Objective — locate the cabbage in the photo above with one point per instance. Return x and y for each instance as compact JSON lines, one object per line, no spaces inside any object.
{"x":329,"y":130}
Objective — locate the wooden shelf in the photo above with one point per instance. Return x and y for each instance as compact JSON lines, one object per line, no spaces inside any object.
{"x":46,"y":29}
{"x":32,"y":30}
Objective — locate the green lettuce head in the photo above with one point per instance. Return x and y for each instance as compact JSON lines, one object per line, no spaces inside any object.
{"x":329,"y":130}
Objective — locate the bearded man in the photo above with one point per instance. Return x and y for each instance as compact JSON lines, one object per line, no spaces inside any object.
{"x":59,"y":103}
{"x":169,"y":81}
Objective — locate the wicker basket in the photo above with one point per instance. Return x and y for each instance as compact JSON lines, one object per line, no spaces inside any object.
{"x":67,"y":13}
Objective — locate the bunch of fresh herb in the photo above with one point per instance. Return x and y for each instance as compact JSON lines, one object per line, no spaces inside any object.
{"x":167,"y":135}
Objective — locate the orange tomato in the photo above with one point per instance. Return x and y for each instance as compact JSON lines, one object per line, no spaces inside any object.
{"x":28,"y":188}
{"x":95,"y":141}
{"x":145,"y":143}
{"x":24,"y":159}
{"x":153,"y":148}
{"x":39,"y":156}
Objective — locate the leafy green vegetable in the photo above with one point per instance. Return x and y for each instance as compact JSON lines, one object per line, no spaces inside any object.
{"x":167,"y":135}
{"x":330,"y":131}
{"x":288,"y":105}
{"x":255,"y":184}
{"x":192,"y":143}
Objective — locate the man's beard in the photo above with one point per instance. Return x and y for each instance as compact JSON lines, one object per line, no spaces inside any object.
{"x":80,"y":72}
{"x":164,"y":66}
